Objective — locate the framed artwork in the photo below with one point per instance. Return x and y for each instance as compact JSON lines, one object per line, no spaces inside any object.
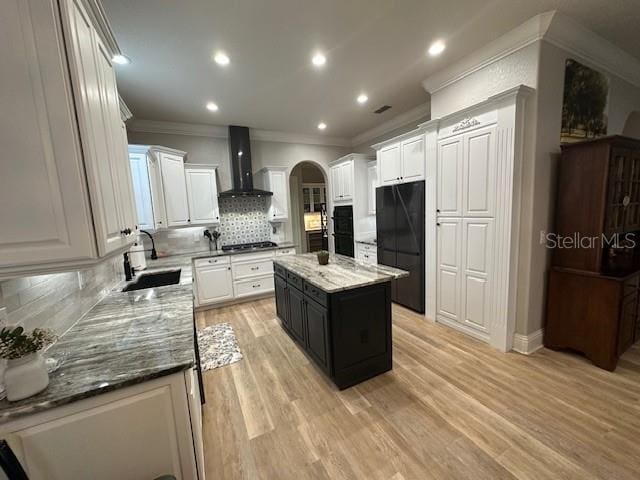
{"x":585,"y":103}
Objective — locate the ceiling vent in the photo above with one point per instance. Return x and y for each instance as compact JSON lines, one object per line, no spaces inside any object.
{"x":383,"y":108}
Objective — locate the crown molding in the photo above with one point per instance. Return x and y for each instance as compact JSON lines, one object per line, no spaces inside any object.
{"x":216,"y":131}
{"x":552,"y":27}
{"x":101,"y":22}
{"x":125,"y":113}
{"x":569,"y":35}
{"x":394,"y":123}
{"x":520,"y":37}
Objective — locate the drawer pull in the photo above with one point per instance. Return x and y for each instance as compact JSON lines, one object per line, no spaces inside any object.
{"x":255,"y":268}
{"x":256,"y":286}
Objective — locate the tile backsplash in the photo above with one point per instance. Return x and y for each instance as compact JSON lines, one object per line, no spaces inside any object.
{"x":244,"y":220}
{"x":56,"y":301}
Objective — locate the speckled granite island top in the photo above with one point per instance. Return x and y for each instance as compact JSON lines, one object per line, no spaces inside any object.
{"x":125,"y":339}
{"x":342,"y":273}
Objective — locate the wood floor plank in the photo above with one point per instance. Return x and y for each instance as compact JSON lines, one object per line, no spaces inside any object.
{"x":452,"y":407}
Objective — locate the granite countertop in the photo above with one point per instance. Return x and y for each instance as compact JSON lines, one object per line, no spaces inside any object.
{"x":127,"y":338}
{"x":342,"y":273}
{"x":368,"y":241}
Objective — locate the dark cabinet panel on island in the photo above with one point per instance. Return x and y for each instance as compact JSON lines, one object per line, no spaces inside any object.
{"x":296,"y":313}
{"x":346,"y":334}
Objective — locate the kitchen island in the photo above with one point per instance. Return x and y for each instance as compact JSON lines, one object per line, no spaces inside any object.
{"x":340,"y":313}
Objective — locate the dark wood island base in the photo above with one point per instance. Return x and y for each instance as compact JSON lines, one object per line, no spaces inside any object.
{"x":347,"y":333}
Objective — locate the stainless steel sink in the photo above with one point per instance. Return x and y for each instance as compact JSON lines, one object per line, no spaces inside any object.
{"x":151,"y":280}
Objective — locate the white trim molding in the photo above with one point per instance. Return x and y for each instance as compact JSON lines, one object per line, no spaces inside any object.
{"x":125,"y":113}
{"x":554,"y":28}
{"x":527,"y":344}
{"x":401,"y":120}
{"x":216,"y":131}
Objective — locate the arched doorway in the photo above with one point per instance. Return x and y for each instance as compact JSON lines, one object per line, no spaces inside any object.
{"x":308,"y":187}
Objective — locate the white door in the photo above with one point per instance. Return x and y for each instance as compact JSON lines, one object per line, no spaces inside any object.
{"x":479,"y":166}
{"x":157,"y":197}
{"x":449,"y":186}
{"x":372,"y":181}
{"x":125,"y":184}
{"x":214,"y":284}
{"x":413,"y":160}
{"x":91,"y":65}
{"x":175,"y":189}
{"x":44,"y":210}
{"x":142,"y":190}
{"x":477,"y":258}
{"x":202,"y":195}
{"x":389,"y":165}
{"x":336,"y":183}
{"x":346,"y":174}
{"x":280,"y":210}
{"x":449,"y":260}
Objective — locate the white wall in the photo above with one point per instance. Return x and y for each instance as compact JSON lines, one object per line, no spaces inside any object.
{"x":208,"y":150}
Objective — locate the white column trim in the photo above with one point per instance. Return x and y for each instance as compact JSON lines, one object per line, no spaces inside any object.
{"x":527,"y":344}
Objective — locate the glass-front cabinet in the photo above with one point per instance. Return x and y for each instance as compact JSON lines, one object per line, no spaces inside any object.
{"x":313,"y":196}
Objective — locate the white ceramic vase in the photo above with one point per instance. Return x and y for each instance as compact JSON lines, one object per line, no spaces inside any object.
{"x":25,"y":376}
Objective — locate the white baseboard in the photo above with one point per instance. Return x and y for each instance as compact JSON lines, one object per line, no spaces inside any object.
{"x":527,"y":344}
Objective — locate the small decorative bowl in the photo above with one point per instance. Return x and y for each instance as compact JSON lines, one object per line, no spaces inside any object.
{"x":323,"y":257}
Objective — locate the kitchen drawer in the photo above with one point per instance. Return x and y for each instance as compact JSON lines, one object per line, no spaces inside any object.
{"x":253,"y":269}
{"x":255,"y":286}
{"x":205,"y":262}
{"x":370,"y":257}
{"x":286,"y":251}
{"x":280,"y":270}
{"x":251,"y":257}
{"x":295,"y":280}
{"x":365,"y":247}
{"x":315,"y":293}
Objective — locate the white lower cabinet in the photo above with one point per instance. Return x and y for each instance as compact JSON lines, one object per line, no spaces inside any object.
{"x":366,"y":253}
{"x":214,"y":283}
{"x":222,"y":279}
{"x":142,"y":431}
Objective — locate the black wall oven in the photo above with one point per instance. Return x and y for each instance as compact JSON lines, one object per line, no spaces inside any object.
{"x":343,"y":230}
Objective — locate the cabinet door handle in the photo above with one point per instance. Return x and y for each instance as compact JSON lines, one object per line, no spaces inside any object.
{"x":438,"y":224}
{"x":228,"y":268}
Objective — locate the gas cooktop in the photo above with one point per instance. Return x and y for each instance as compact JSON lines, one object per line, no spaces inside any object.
{"x":248,"y":246}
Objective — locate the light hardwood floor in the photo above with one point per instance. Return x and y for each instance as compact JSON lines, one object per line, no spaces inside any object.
{"x":451,"y":408}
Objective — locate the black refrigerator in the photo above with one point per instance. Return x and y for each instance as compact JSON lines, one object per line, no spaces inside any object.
{"x":400,"y":237}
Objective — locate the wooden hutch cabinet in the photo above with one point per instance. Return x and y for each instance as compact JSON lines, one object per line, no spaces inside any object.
{"x":592,"y":304}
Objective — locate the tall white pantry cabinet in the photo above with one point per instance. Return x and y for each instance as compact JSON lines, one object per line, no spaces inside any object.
{"x":66,"y":197}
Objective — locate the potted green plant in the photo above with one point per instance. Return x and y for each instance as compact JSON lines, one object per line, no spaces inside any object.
{"x":26,"y":372}
{"x":323,"y":257}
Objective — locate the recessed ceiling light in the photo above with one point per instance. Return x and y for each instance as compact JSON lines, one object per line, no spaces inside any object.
{"x":362,"y":98}
{"x":319,"y":59}
{"x":120,"y":59}
{"x":322,"y":126}
{"x":212,"y":107}
{"x":221,"y":58}
{"x":436,"y":48}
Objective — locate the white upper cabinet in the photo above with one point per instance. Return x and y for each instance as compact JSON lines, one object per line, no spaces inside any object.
{"x":68,"y":200}
{"x":94,"y":84}
{"x":202,"y":194}
{"x":175,"y":189}
{"x":372,"y":184}
{"x":389,"y":164}
{"x":401,"y":161}
{"x":274,"y":179}
{"x":342,"y":180}
{"x":142,"y":189}
{"x":44,"y":210}
{"x":412,"y":159}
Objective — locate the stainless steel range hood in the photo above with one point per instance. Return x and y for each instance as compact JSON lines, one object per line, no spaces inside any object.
{"x":241,"y":173}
